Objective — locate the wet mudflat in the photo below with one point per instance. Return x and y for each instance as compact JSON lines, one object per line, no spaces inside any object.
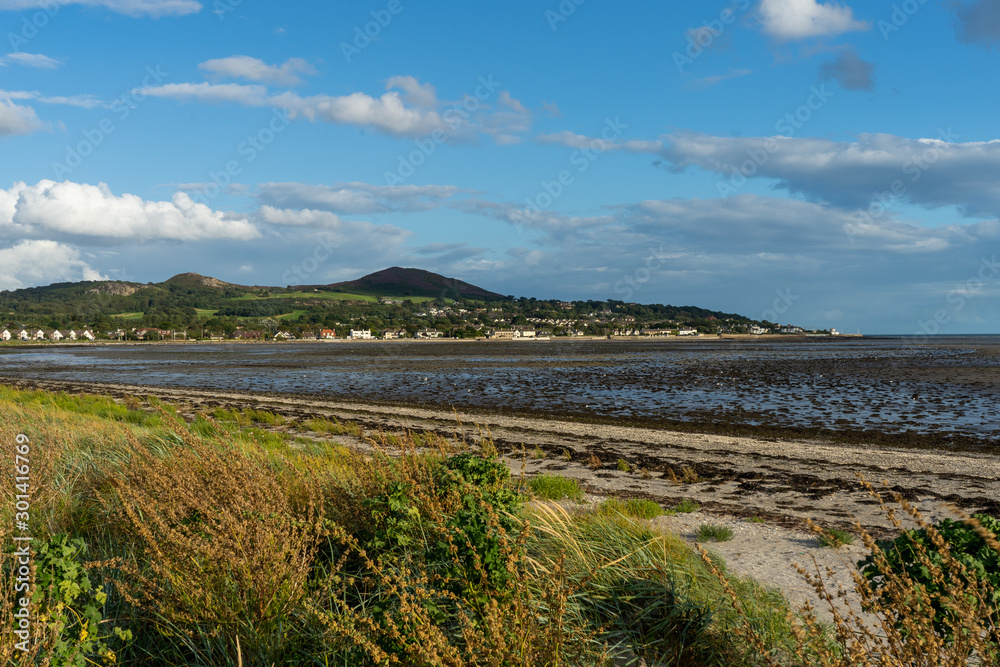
{"x":941,"y":395}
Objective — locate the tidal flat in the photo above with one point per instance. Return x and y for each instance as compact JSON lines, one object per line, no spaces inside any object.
{"x":779,"y":428}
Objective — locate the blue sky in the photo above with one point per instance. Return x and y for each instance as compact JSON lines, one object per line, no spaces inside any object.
{"x":827,"y":164}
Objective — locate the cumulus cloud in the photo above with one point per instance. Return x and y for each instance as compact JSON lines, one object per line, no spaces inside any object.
{"x":978,"y":21}
{"x":17,"y":119}
{"x":79,"y":210}
{"x":254,"y":69}
{"x":356,"y":198}
{"x":29,"y":263}
{"x":135,"y":8}
{"x":801,"y":19}
{"x":36,"y":60}
{"x":850,"y":71}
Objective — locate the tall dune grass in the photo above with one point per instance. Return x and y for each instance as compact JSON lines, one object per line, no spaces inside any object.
{"x":218,"y":542}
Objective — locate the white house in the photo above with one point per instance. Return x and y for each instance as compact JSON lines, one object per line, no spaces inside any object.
{"x":23,"y":335}
{"x":5,"y":335}
{"x":524,"y":333}
{"x":55,"y":334}
{"x":687,"y":332}
{"x":38,"y":335}
{"x":429,"y":333}
{"x":360,"y":334}
{"x":502,"y":334}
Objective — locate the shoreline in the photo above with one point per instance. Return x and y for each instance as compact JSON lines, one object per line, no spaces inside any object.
{"x":784,"y":480}
{"x":18,"y":344}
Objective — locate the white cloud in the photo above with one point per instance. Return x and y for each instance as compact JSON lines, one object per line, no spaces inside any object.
{"x":213,"y":93}
{"x":79,"y":210}
{"x":387,"y":113}
{"x":598,"y":144}
{"x":135,"y":8}
{"x":506,"y":100}
{"x":357,"y":198}
{"x":552,"y":109}
{"x":361,"y":236}
{"x":30,"y":263}
{"x":17,"y":119}
{"x":254,"y":69}
{"x":801,"y":19}
{"x":408,"y":109}
{"x":414,"y":92}
{"x":30,"y":60}
{"x":83,"y":101}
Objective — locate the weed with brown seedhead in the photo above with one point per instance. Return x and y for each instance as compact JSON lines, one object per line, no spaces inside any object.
{"x":224,"y":541}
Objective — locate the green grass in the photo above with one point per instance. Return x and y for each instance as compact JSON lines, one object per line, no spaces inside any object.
{"x":326,"y":296}
{"x":632,"y":507}
{"x":128,"y":316}
{"x":622,"y":465}
{"x":294,"y":315}
{"x":332,"y":427}
{"x":206,"y":312}
{"x":686,"y":506}
{"x":555,"y":487}
{"x":708,"y":532}
{"x":835,"y":538}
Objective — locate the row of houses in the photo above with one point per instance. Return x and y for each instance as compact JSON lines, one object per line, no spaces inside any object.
{"x":45,"y":334}
{"x":684,"y":331}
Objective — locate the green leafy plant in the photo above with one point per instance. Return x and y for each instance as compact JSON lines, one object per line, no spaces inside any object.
{"x":714,"y":533}
{"x":917,"y":554}
{"x":70,"y":605}
{"x":622,"y":465}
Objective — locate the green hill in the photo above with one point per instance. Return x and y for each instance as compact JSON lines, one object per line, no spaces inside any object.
{"x":400,"y":282}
